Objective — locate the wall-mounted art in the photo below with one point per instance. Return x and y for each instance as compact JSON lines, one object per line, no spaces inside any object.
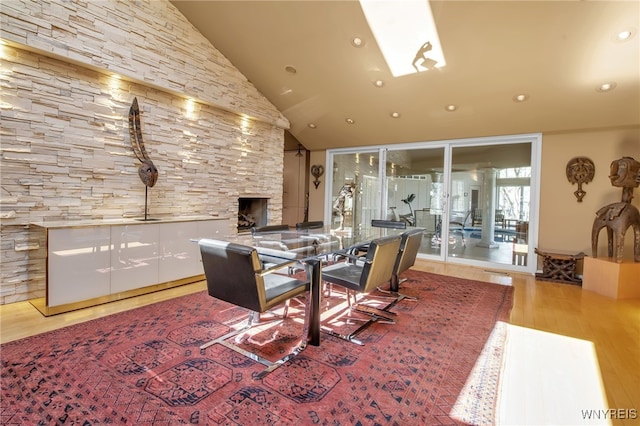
{"x":317,"y":171}
{"x":618,"y":217}
{"x":147,"y":170}
{"x":580,"y":170}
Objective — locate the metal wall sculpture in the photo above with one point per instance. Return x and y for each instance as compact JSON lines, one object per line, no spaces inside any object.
{"x":147,"y":170}
{"x":618,"y":217}
{"x":580,"y":170}
{"x":317,"y":171}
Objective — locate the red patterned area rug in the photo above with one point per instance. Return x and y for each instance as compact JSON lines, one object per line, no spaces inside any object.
{"x":439,"y":364}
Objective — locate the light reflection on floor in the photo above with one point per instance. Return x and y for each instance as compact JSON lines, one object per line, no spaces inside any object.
{"x":550,"y":379}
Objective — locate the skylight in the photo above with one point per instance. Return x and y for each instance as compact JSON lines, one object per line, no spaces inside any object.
{"x":406,"y":34}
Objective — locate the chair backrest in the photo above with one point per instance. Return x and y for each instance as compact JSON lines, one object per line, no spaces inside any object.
{"x":409,"y":247}
{"x":269,"y":228}
{"x":381,"y":259}
{"x":522,"y":232}
{"x":310,"y":225}
{"x":456,"y":226}
{"x":231,"y":273}
{"x":378,"y":223}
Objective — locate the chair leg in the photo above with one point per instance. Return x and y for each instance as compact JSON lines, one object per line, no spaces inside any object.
{"x":253,"y":317}
{"x":375,"y":315}
{"x":299,"y":347}
{"x":394,"y":286}
{"x":383,"y":313}
{"x":327,"y":289}
{"x":348,"y":337}
{"x":351,"y":337}
{"x":271,"y":365}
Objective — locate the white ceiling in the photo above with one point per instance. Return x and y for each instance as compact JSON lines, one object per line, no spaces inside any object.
{"x":556,"y":52}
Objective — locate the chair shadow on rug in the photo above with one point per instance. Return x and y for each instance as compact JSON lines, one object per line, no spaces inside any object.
{"x":235,"y":274}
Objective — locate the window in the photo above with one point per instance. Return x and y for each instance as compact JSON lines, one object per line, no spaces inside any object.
{"x":513,"y":192}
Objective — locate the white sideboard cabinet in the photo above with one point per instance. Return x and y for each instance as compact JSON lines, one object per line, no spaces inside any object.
{"x":89,"y":263}
{"x":78,"y":263}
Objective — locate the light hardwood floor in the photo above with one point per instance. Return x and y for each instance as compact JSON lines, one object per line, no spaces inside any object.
{"x":550,"y":321}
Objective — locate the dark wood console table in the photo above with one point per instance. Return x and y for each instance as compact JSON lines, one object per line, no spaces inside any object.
{"x":559,"y":267}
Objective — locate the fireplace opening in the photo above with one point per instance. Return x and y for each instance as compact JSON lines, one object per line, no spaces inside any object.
{"x":252,"y":212}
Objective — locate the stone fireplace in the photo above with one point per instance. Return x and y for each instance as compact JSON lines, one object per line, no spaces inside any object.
{"x":252,"y":212}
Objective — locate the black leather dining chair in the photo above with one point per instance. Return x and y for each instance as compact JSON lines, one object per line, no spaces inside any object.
{"x":396,"y":224}
{"x":317,"y":224}
{"x":363,"y":275}
{"x":379,"y":223}
{"x":269,"y":228}
{"x":410,"y":243}
{"x":235,"y":275}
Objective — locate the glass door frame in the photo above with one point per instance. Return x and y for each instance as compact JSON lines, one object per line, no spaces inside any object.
{"x":446,"y":153}
{"x":536,"y":151}
{"x":329,"y":183}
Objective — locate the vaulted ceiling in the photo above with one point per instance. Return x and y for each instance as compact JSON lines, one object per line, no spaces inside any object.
{"x":557,"y":53}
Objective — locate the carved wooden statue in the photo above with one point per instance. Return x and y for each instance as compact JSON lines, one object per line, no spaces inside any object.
{"x":147,"y":170}
{"x":618,"y":217}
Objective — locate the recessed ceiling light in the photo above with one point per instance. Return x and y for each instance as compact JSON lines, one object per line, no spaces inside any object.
{"x":625,"y":35}
{"x":451,"y":108}
{"x":311,"y":125}
{"x":357,"y":42}
{"x":520,"y":98}
{"x":395,"y":114}
{"x":378,"y":83}
{"x":290,"y":69}
{"x":349,"y":120}
{"x":606,"y":87}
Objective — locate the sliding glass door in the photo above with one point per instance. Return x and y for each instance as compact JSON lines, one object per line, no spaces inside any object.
{"x":476,"y":198}
{"x":490,"y":203}
{"x":415,"y":191}
{"x":354,"y":189}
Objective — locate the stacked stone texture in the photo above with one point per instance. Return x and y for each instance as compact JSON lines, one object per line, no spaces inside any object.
{"x":65,"y":148}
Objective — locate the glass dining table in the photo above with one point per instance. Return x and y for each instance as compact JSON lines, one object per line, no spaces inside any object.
{"x":311,"y":247}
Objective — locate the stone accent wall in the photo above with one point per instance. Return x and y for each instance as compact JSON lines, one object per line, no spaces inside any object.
{"x":69,"y":75}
